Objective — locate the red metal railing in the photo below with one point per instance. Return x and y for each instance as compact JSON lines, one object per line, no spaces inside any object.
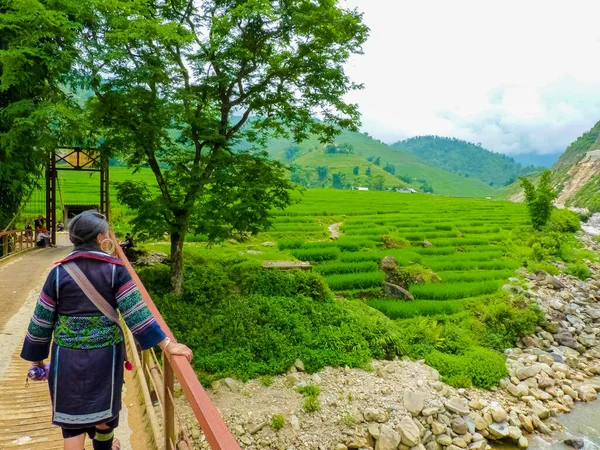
{"x":15,"y":241}
{"x":177,"y":367}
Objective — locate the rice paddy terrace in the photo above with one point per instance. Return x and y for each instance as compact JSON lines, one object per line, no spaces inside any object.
{"x":470,"y":244}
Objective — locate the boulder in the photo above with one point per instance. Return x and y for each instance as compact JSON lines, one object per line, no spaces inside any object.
{"x":375,"y":415}
{"x":566,"y":338}
{"x":514,"y":433}
{"x":299,"y":365}
{"x":526,"y":422}
{"x":519,"y":390}
{"x":395,"y":291}
{"x":388,"y":439}
{"x":498,"y":430}
{"x":587,"y":393}
{"x":498,"y":414}
{"x":544,"y":381}
{"x":457,"y":405}
{"x":459,"y":426}
{"x":388,"y":263}
{"x":575,"y":443}
{"x":444,"y":439}
{"x":269,"y":244}
{"x":410,"y":433}
{"x":438,"y":428}
{"x":525,"y":372}
{"x":523,"y":443}
{"x":427,"y":244}
{"x":414,"y":401}
{"x":539,"y":410}
{"x":232,"y":385}
{"x":555,"y":282}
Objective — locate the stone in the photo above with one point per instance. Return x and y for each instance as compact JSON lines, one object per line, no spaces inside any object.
{"x":566,"y":338}
{"x":292,"y":378}
{"x":576,"y":322}
{"x":457,"y":405}
{"x":523,"y":443}
{"x":340,"y":446}
{"x":478,"y":445}
{"x":587,"y":393}
{"x":514,"y":433}
{"x":374,"y":430}
{"x":299,"y":365}
{"x":525,"y":372}
{"x":459,"y":442}
{"x":410,"y":433}
{"x":444,"y":439}
{"x":232,"y":385}
{"x":433,"y":445}
{"x":587,"y":339}
{"x":389,"y":439}
{"x":498,"y":414}
{"x":438,"y":428}
{"x":526,"y":422}
{"x":427,"y":244}
{"x":575,"y":443}
{"x":395,"y":291}
{"x":414,"y":401}
{"x":256,"y":427}
{"x":375,"y":415}
{"x":539,"y":410}
{"x":459,"y":426}
{"x":498,"y":430}
{"x":480,"y":422}
{"x":429,"y":411}
{"x":570,"y":391}
{"x":295,"y":423}
{"x":519,"y":390}
{"x":269,"y":244}
{"x":544,"y":381}
{"x":539,"y":425}
{"x":476,"y":404}
{"x":530,"y":341}
{"x":555,"y":282}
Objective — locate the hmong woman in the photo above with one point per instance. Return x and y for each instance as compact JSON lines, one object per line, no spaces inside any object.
{"x":88,"y":352}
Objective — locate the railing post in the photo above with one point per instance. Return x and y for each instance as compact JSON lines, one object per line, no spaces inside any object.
{"x":169,"y":407}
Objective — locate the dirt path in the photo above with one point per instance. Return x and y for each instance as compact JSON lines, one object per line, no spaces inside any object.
{"x":25,"y":413}
{"x":334,"y":229}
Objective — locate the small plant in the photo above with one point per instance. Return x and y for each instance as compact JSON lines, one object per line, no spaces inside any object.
{"x":539,"y":200}
{"x":311,"y":404}
{"x":277,"y":422}
{"x":266,"y":381}
{"x":310,"y":390}
{"x":348,"y":420}
{"x":579,"y":270}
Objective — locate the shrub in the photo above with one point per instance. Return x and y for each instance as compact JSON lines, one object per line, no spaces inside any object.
{"x":564,"y":221}
{"x":311,"y":404}
{"x":289,"y":283}
{"x":266,"y":381}
{"x":363,"y":280}
{"x":309,"y":390}
{"x":478,"y":367}
{"x":579,"y":270}
{"x":317,"y":254}
{"x":539,"y":200}
{"x":277,"y":422}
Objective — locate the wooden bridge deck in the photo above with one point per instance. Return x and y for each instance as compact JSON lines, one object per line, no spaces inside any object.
{"x":25,"y":413}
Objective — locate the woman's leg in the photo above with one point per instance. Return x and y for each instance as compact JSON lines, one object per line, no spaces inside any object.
{"x":75,"y":443}
{"x":105,"y":436}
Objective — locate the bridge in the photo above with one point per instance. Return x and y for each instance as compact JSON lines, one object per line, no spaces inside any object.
{"x":150,"y":412}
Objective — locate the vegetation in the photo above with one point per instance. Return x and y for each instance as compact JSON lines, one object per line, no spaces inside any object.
{"x":539,"y":200}
{"x":465,"y":159}
{"x":277,"y":422}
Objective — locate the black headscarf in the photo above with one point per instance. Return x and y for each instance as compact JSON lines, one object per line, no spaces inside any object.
{"x":84,"y":229}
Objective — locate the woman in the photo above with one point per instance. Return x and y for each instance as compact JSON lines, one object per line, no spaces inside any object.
{"x":88,"y":351}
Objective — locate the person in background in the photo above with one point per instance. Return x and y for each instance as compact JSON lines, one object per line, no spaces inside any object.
{"x":42,"y":238}
{"x":128,"y":242}
{"x":28,"y":231}
{"x":39,"y":223}
{"x":60,"y":226}
{"x":86,"y":347}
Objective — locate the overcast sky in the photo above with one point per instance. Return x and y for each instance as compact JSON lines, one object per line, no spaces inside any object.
{"x":515,"y":75}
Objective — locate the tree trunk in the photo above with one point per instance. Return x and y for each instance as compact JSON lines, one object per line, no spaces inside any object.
{"x":177,"y":239}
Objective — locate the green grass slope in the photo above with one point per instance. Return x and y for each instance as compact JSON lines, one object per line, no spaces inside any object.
{"x":465,"y":159}
{"x":405,"y":164}
{"x":590,"y":140}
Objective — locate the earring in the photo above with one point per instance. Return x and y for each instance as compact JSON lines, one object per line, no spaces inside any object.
{"x":111,"y":246}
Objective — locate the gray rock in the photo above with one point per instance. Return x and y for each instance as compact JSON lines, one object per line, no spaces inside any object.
{"x":269,"y":244}
{"x":388,"y":439}
{"x":575,"y":443}
{"x":414,"y":401}
{"x":438,"y":428}
{"x":299,"y":365}
{"x":566,"y":338}
{"x":587,"y":393}
{"x":498,"y":430}
{"x":457,"y":405}
{"x":459,"y":426}
{"x":395,"y":291}
{"x":525,"y":372}
{"x":233,"y":385}
{"x":375,"y":415}
{"x":427,"y":244}
{"x":498,"y":414}
{"x":555,"y":282}
{"x":410,"y":433}
{"x":576,"y":322}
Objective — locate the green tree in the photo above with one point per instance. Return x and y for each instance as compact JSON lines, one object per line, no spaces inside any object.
{"x":291,"y":152}
{"x":539,"y":200}
{"x":376,"y":183}
{"x":390,"y":168}
{"x":338,"y":180}
{"x":330,"y":149}
{"x":368,"y":171}
{"x":355,"y":170}
{"x":37,"y":49}
{"x":322,"y":172}
{"x":180,"y":82}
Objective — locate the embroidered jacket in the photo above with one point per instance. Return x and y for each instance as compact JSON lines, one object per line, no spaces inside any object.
{"x":64,"y":311}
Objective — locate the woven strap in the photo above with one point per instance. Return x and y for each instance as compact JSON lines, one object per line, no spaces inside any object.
{"x":90,"y":291}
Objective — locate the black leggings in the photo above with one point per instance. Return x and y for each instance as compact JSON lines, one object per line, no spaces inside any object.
{"x":91,"y":431}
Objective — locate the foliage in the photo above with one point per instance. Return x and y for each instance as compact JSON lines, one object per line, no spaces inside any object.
{"x":37,"y":50}
{"x":355,"y":170}
{"x":322,"y":172}
{"x":277,"y":422}
{"x":465,"y":158}
{"x":405,"y":310}
{"x":564,"y":221}
{"x":218,"y":74}
{"x":539,"y":199}
{"x":275,"y":283}
{"x":309,"y":390}
{"x":478,"y":367}
{"x":390,"y":168}
{"x":363,"y":280}
{"x":316,"y":254}
{"x":311,"y":404}
{"x":426,"y":188}
{"x":579,"y":270}
{"x":291,"y":152}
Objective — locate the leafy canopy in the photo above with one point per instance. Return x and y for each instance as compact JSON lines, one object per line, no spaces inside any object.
{"x":539,"y":200}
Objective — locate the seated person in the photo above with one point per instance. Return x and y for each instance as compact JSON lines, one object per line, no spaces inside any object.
{"x":28,"y":232}
{"x":39,"y":223}
{"x":42,"y":239}
{"x":128,"y":242}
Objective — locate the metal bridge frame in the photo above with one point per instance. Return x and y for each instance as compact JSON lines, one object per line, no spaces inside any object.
{"x":80,"y":159}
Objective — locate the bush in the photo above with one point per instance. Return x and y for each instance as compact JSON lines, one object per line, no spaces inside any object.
{"x":286,"y":283}
{"x":277,"y":422}
{"x":579,"y":270}
{"x":311,"y":404}
{"x":539,"y":200}
{"x":564,"y":221}
{"x":478,"y":367}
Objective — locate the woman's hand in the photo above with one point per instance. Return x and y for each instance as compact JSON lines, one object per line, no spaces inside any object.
{"x":179,"y":350}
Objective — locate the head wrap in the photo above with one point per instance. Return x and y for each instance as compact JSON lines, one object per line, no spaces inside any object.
{"x":84,"y":228}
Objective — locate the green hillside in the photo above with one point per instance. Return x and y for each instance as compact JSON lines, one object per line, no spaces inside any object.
{"x":364,"y":147}
{"x":590,"y":140}
{"x":465,"y":159}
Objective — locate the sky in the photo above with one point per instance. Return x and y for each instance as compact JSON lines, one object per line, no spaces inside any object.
{"x":516,"y":76}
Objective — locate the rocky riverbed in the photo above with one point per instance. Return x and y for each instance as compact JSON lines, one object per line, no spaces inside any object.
{"x":403,"y":404}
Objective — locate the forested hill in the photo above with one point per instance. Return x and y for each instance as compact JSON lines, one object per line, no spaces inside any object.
{"x":357,"y":159}
{"x":590,"y":140}
{"x":465,"y":159}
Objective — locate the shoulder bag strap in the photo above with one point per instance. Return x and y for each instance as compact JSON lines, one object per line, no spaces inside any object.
{"x":90,"y":291}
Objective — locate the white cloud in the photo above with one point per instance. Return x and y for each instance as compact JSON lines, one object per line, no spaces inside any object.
{"x":515,"y":75}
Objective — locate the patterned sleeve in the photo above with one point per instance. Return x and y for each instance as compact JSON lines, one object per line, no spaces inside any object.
{"x":39,"y":334}
{"x":138,"y":317}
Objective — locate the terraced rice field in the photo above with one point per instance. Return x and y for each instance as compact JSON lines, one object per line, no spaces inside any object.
{"x":469,"y":239}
